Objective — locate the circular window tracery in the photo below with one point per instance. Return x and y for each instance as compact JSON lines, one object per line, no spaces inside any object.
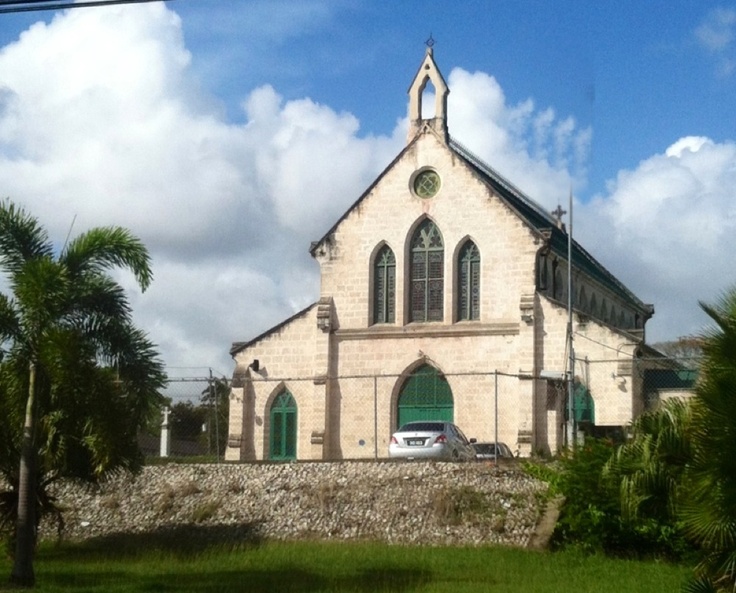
{"x":426,"y":183}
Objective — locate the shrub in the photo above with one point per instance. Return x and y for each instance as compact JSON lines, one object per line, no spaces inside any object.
{"x":205,"y":511}
{"x":549,"y":472}
{"x":454,"y":506}
{"x":591,"y":517}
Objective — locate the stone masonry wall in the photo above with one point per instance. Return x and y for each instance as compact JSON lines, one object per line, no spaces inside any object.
{"x":401,"y":503}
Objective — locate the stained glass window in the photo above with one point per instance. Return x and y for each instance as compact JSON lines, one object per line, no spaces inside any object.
{"x":427,"y":183}
{"x":469,"y":282}
{"x":427,"y":273}
{"x":384,"y":286}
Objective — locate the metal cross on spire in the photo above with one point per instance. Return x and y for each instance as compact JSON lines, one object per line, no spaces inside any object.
{"x":558,"y":213}
{"x":430,"y":41}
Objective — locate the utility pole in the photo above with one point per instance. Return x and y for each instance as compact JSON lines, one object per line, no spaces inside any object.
{"x":571,"y":437}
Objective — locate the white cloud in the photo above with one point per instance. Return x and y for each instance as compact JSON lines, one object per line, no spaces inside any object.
{"x":537,"y":151}
{"x":670,"y":226}
{"x":716,"y":32}
{"x":311,"y":158}
{"x":103,"y":122}
{"x":716,"y":35}
{"x":688,"y":143}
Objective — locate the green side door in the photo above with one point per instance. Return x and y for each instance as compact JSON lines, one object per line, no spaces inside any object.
{"x":583,"y":404}
{"x":282,"y":446}
{"x":426,"y":395}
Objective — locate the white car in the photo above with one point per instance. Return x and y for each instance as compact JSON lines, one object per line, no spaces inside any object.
{"x":429,"y":439}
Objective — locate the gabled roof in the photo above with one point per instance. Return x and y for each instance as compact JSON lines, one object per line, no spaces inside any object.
{"x":532,"y":213}
{"x":315,"y":244}
{"x":240,"y":346}
{"x":541,"y":220}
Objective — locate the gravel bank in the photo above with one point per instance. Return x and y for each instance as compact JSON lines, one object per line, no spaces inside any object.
{"x":399,"y":503}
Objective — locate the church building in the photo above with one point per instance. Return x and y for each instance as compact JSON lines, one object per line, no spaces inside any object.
{"x":446,"y":293}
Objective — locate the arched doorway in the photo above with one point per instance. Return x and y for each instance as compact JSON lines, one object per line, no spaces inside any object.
{"x":282,"y":445}
{"x":426,"y":395}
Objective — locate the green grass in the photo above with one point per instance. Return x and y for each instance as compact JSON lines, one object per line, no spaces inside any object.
{"x":185,"y":564}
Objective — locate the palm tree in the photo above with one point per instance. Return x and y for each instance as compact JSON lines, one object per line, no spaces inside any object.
{"x":649,"y":467}
{"x":710,"y":511}
{"x":75,"y":368}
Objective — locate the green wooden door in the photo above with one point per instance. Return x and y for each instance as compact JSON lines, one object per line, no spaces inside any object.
{"x":426,"y":395}
{"x":283,"y":428}
{"x":583,"y":404}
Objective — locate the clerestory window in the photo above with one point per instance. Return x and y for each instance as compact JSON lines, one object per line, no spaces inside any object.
{"x":542,"y":272}
{"x":427,"y":273}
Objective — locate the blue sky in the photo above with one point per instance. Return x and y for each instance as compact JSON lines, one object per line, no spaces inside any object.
{"x":634,"y":71}
{"x":213,"y":127}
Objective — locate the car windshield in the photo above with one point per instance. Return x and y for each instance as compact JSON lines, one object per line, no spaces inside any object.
{"x":422,"y":427}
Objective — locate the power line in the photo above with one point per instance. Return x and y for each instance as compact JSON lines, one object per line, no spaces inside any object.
{"x":10,"y":6}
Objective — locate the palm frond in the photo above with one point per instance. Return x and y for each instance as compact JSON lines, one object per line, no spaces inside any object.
{"x":699,"y":585}
{"x":9,"y":321}
{"x":104,"y":248}
{"x":22,"y":238}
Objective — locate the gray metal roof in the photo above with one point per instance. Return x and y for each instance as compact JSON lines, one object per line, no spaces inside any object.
{"x":541,"y":220}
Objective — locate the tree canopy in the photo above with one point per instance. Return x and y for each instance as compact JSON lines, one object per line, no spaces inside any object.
{"x":77,"y":378}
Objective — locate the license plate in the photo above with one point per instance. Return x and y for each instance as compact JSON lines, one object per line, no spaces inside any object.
{"x":415,"y":442}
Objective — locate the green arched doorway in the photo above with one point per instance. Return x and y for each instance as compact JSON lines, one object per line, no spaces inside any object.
{"x":282,"y":445}
{"x":426,"y":395}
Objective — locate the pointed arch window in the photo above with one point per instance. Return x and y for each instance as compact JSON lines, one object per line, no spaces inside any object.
{"x":558,"y":291}
{"x":542,"y":272}
{"x":582,"y":300}
{"x":469,"y":282}
{"x":282,"y":445}
{"x":427,"y":273}
{"x":384,"y":286}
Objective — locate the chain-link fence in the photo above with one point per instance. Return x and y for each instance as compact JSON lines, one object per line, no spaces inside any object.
{"x":354,"y":416}
{"x":194,"y":420}
{"x":346,"y":417}
{"x":663,"y":379}
{"x":351,"y":417}
{"x":609,"y":394}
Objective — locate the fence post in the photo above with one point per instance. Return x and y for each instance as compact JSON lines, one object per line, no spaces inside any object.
{"x":214,"y":394}
{"x":375,"y":417}
{"x":495,"y":415}
{"x":165,"y":447}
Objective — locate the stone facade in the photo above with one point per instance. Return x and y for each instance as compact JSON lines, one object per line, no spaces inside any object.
{"x":346,"y":367}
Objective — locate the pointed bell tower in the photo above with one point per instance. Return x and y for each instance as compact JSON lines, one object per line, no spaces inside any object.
{"x":428,"y":72}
